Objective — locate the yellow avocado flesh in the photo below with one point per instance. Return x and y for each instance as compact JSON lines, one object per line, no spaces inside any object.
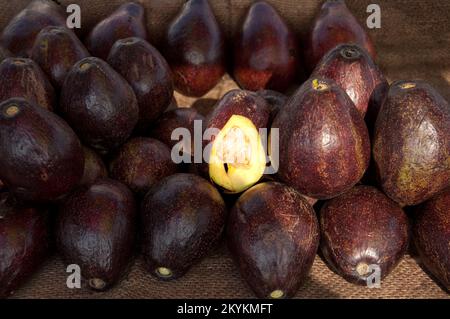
{"x":237,"y":159}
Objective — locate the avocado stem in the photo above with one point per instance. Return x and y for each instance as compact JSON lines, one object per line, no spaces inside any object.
{"x":85,"y":66}
{"x":350,"y":53}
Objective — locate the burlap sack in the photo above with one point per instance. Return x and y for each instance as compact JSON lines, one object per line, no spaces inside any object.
{"x":413,"y":43}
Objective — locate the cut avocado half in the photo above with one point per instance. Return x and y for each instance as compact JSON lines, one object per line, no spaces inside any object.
{"x":237,"y":159}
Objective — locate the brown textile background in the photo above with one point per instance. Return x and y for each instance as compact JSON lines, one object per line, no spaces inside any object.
{"x":413,"y":43}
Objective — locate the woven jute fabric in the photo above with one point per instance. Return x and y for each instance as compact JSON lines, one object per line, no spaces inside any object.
{"x":413,"y":43}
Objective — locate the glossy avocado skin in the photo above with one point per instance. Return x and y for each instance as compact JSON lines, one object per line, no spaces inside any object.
{"x":324,"y":144}
{"x":195,"y":49}
{"x":24,"y":242}
{"x":56,"y":50}
{"x":99,"y":104}
{"x":148,"y":73}
{"x":126,"y":21}
{"x":273,"y":235}
{"x":42,"y":158}
{"x":95,"y":229}
{"x":352,"y":68}
{"x":266,"y":51}
{"x":431,"y":235}
{"x":412,"y":143}
{"x":363,"y":227}
{"x":334,"y":25}
{"x":24,"y":78}
{"x":141,"y":163}
{"x":94,"y":167}
{"x":20,"y":33}
{"x":182,"y":218}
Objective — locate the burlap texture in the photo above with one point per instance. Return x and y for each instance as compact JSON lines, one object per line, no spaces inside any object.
{"x":413,"y":43}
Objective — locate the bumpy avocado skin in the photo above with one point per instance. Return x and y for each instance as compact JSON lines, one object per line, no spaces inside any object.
{"x":266,"y":51}
{"x":42,"y":158}
{"x":334,"y":25}
{"x":360,"y":228}
{"x":24,"y":242}
{"x":148,"y":73}
{"x":183,"y":218}
{"x":126,"y":21}
{"x":95,"y":229}
{"x":324,"y":146}
{"x":431,"y":235}
{"x":20,"y":33}
{"x":412,"y":143}
{"x":273,"y":235}
{"x":195,"y":49}
{"x":56,"y":50}
{"x":99,"y":104}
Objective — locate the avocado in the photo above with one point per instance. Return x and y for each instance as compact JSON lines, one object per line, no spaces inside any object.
{"x":95,"y":229}
{"x":141,"y":163}
{"x":237,"y":157}
{"x":24,"y":78}
{"x":94,"y":167}
{"x":42,"y":158}
{"x":173,"y":119}
{"x":334,"y":25}
{"x":431,"y":233}
{"x":24,"y":242}
{"x":412,"y":143}
{"x":182,"y":217}
{"x":20,"y":33}
{"x":126,"y":21}
{"x":273,"y":235}
{"x":56,"y":50}
{"x":149,"y":75}
{"x":194,"y":46}
{"x":361,"y":230}
{"x":266,"y":51}
{"x":324,"y":146}
{"x":99,"y":104}
{"x":352,"y":68}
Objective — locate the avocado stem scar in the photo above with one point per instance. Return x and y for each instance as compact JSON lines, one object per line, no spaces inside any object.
{"x":362,"y":269}
{"x":97,"y":283}
{"x":164,"y":272}
{"x":12,"y":110}
{"x":277,"y":294}
{"x":408,"y":85}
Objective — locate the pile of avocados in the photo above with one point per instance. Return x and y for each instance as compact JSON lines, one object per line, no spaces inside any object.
{"x":360,"y":166}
